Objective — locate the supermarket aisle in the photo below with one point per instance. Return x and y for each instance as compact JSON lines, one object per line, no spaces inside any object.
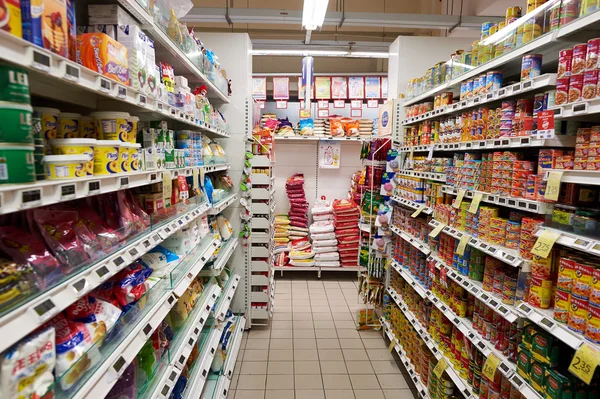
{"x":313,"y":351}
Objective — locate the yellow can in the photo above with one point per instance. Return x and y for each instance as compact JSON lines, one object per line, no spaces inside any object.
{"x":106,"y":157}
{"x":112,"y":125}
{"x":73,"y":147}
{"x":49,"y":117}
{"x":60,"y":167}
{"x":68,"y":125}
{"x":87,"y":130}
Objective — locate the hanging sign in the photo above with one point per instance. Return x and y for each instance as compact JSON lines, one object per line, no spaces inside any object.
{"x":323,"y":87}
{"x":356,"y":104}
{"x":305,"y":113}
{"x":356,"y":113}
{"x":372,"y":87}
{"x":356,"y":87}
{"x":339,"y":104}
{"x":261,"y":104}
{"x":323,"y":104}
{"x":372,"y":103}
{"x":329,"y":154}
{"x":323,"y":113}
{"x":339,"y":87}
{"x":282,"y":104}
{"x":281,"y":88}
{"x":384,"y":87}
{"x":259,"y":88}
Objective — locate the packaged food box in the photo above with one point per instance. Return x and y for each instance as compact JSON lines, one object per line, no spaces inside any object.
{"x":47,"y":26}
{"x":109,"y":14}
{"x":101,"y":53}
{"x":10,"y":17}
{"x":524,"y":360}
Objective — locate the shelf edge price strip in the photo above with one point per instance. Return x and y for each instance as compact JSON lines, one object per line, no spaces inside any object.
{"x":490,"y":366}
{"x":459,"y":198}
{"x":418,"y":211}
{"x":474,"y":207}
{"x":545,"y":242}
{"x":553,"y":185}
{"x":438,"y":229}
{"x":584,"y":362}
{"x":462,"y":244}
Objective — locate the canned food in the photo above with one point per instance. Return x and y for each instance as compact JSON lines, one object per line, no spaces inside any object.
{"x":578,"y":62}
{"x":590,"y":81}
{"x":578,"y":315}
{"x":565,"y":59}
{"x":592,"y":328}
{"x":531,"y":66}
{"x":562,"y":91}
{"x":591,"y":58}
{"x":575,"y":88}
{"x":562,"y":303}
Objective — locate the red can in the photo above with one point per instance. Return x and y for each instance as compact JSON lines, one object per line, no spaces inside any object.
{"x":590,"y":80}
{"x":578,"y":61}
{"x":524,"y":107}
{"x":591,"y":58}
{"x":575,"y":88}
{"x":562,"y":91}
{"x":565,"y":58}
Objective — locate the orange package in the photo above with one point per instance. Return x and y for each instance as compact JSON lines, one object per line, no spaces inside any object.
{"x":10,"y":17}
{"x":336,"y":127}
{"x":352,"y":128}
{"x":103,"y":54}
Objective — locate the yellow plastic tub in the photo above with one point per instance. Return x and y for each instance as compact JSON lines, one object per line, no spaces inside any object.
{"x":60,"y":167}
{"x":87,"y":130}
{"x":75,"y":147}
{"x":106,"y":157}
{"x":134,"y":157}
{"x":68,"y":125}
{"x":49,"y":117}
{"x":111,"y":125}
{"x":133,"y":125}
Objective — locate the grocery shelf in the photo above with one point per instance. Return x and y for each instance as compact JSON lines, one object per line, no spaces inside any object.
{"x":235,"y":343}
{"x":33,"y":313}
{"x":227,"y":249}
{"x":320,"y":138}
{"x":262,"y":179}
{"x":17,"y":197}
{"x":572,"y":240}
{"x":261,"y":161}
{"x":166,"y":50}
{"x":419,"y":289}
{"x":412,"y":204}
{"x":201,"y":369}
{"x":460,"y":383}
{"x":222,"y":204}
{"x":475,"y":287}
{"x":415,"y":242}
{"x":46,"y":70}
{"x":537,"y":83}
{"x":494,"y":144}
{"x":506,"y":255}
{"x":182,"y":277}
{"x":182,"y":345}
{"x":424,"y":175}
{"x":580,"y":109}
{"x":589,"y":177}
{"x":222,"y":305}
{"x":415,"y":377}
{"x":523,"y":204}
{"x":320,"y":269}
{"x":216,"y":387}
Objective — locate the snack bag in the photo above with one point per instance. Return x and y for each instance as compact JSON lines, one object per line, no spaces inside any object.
{"x":106,"y":236}
{"x":336,"y":127}
{"x":307,"y":127}
{"x":59,"y":230}
{"x":352,"y":128}
{"x":105,"y":55}
{"x":26,"y":368}
{"x":98,"y":316}
{"x":225,"y":228}
{"x":130,"y":284}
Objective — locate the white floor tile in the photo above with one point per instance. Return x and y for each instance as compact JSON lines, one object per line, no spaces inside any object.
{"x":280,"y":368}
{"x":370,"y":394}
{"x":305,"y":354}
{"x":329,"y":333}
{"x":359,"y":367}
{"x":279,"y":334}
{"x":344,"y":333}
{"x":280,"y":381}
{"x":281,"y":355}
{"x":251,"y":382}
{"x":386,"y":367}
{"x":328,"y":343}
{"x":396,"y":394}
{"x":253,"y":368}
{"x":390,"y":381}
{"x":258,"y":343}
{"x":351,"y":343}
{"x":310,"y":394}
{"x":336,"y":381}
{"x":249,"y":394}
{"x":304,"y":334}
{"x":364,"y":381}
{"x":255,"y":355}
{"x":279,"y":394}
{"x":302,"y":343}
{"x":339,"y":394}
{"x":307,"y":367}
{"x":281,"y":344}
{"x":333,"y":367}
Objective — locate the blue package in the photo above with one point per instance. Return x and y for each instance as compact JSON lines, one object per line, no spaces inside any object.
{"x":208,"y":189}
{"x":171,"y":256}
{"x":32,"y":22}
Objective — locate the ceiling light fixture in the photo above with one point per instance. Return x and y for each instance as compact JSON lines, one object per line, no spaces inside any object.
{"x":321,"y":53}
{"x":313,"y":14}
{"x":368,"y":54}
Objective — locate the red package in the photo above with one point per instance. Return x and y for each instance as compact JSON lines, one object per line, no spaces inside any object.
{"x":59,"y":230}
{"x":565,"y":58}
{"x":347,"y":232}
{"x":348,"y":239}
{"x":344,"y":225}
{"x":346,"y":247}
{"x":130,"y":284}
{"x":24,"y":248}
{"x":106,"y":292}
{"x":106,"y":236}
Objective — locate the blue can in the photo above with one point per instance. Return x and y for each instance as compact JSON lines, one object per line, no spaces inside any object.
{"x":476,"y":87}
{"x":493,"y":80}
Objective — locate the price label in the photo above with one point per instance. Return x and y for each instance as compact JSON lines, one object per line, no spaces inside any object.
{"x":490,"y":366}
{"x":584,"y":362}
{"x":440,"y":367}
{"x":462,"y":244}
{"x":553,"y":185}
{"x":459,"y":198}
{"x":477,"y":197}
{"x":387,"y":264}
{"x":438,"y":229}
{"x":418,"y":211}
{"x":391,"y":347}
{"x":545,"y":242}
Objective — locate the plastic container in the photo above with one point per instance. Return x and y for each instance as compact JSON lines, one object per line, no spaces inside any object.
{"x":16,"y":123}
{"x":124,"y":164}
{"x":60,"y":167}
{"x":133,"y":124}
{"x":75,"y":147}
{"x":14,"y":84}
{"x":87,"y":130}
{"x":68,"y":125}
{"x":106,"y":157}
{"x":49,"y":117}
{"x":16,"y":164}
{"x":111,"y":125}
{"x":134,"y":157}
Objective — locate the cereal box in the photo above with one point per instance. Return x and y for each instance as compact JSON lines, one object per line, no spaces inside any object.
{"x":45,"y":23}
{"x":10,"y":17}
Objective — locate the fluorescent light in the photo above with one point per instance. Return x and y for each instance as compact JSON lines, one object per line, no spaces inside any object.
{"x":325,"y":53}
{"x":313,"y":14}
{"x":368,"y":54}
{"x":459,"y":64}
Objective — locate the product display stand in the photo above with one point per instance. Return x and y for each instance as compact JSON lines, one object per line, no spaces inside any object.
{"x":493,"y":299}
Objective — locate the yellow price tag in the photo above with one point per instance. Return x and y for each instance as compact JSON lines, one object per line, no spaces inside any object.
{"x":391,"y":347}
{"x":477,"y":197}
{"x":195,"y":181}
{"x":462,"y":244}
{"x":387,"y":264}
{"x":305,"y":113}
{"x":440,"y":367}
{"x":459,"y":198}
{"x":490,"y":366}
{"x":418,"y":211}
{"x":438,"y":229}
{"x":545,"y":242}
{"x":553,"y":185}
{"x":584,"y":362}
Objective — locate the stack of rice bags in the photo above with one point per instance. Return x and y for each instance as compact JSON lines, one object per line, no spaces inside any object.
{"x":282,"y":240}
{"x":320,"y":127}
{"x":300,"y":248}
{"x":346,"y":215}
{"x":322,"y":234}
{"x":366,"y":127}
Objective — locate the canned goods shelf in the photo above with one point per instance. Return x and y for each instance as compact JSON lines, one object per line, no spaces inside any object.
{"x":424,"y":175}
{"x":537,"y":83}
{"x":320,"y":138}
{"x":460,"y":383}
{"x":581,"y":109}
{"x":411,"y":204}
{"x":589,"y":177}
{"x":221,"y":205}
{"x":422,"y":291}
{"x":575,"y":241}
{"x":516,"y":203}
{"x":494,"y":144}
{"x":506,"y":255}
{"x":415,"y":242}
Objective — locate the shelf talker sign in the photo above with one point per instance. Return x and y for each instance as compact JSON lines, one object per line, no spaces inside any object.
{"x":386,"y":115}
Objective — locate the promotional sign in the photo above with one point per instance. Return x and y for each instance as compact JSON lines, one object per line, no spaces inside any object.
{"x":386,"y":112}
{"x":259,"y":88}
{"x":373,"y":87}
{"x":323,"y":87}
{"x":281,"y":88}
{"x":329,"y":154}
{"x":356,"y":85}
{"x":339,"y":87}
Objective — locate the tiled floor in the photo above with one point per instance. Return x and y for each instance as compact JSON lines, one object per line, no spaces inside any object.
{"x":312,"y":349}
